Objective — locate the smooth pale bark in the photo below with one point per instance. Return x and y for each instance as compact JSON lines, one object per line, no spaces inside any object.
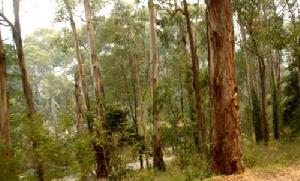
{"x":97,"y":81}
{"x":4,"y":112}
{"x":226,"y":153}
{"x":101,"y":151}
{"x":158,"y":162}
{"x":196,"y":85}
{"x":81,"y":71}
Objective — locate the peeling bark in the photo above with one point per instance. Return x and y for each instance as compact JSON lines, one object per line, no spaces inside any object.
{"x":226,"y":139}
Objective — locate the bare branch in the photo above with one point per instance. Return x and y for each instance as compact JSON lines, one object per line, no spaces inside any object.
{"x":7,"y":21}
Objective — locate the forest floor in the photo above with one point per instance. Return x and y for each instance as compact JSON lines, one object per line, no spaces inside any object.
{"x":289,"y":173}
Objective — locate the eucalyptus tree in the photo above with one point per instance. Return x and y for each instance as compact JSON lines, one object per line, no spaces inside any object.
{"x":4,"y":111}
{"x":101,"y":151}
{"x":226,"y":153}
{"x":158,"y":161}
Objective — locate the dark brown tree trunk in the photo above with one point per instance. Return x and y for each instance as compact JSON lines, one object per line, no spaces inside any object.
{"x":226,"y":139}
{"x":102,"y":151}
{"x":158,"y":162}
{"x":196,"y":85}
{"x":275,"y":81}
{"x":264,"y":121}
{"x":79,"y":112}
{"x":4,"y":112}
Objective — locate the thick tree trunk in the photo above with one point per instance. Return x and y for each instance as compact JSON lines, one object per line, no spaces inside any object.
{"x":102,"y":151}
{"x":196,"y":85}
{"x":158,"y":161}
{"x":226,"y":139}
{"x":4,"y":112}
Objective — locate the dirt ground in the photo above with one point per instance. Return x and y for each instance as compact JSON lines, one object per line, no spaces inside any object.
{"x":290,"y":173}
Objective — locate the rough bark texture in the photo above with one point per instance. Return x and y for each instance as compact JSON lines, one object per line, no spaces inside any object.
{"x":101,"y":151}
{"x":226,"y":140}
{"x":196,"y":85}
{"x":4,"y":112}
{"x":158,"y":161}
{"x":79,"y":112}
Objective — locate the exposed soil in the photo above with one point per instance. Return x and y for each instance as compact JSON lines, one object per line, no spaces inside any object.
{"x":290,"y":173}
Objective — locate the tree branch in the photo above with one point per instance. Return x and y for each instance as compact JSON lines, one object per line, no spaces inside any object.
{"x":7,"y":20}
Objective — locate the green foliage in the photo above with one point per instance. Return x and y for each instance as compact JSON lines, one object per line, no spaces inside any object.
{"x":292,"y":96}
{"x":256,"y":117}
{"x":275,"y":155}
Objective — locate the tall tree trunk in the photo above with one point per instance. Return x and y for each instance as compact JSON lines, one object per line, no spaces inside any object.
{"x":275,"y":82}
{"x":158,"y":161}
{"x":196,"y":85}
{"x":17,"y":35}
{"x":24,"y":75}
{"x":264,"y":121}
{"x":248,"y":77}
{"x":226,"y":139}
{"x":262,"y":75}
{"x":79,"y":112}
{"x":79,"y":58}
{"x":4,"y":112}
{"x":299,"y":74}
{"x":102,"y":151}
{"x":139,"y":114}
